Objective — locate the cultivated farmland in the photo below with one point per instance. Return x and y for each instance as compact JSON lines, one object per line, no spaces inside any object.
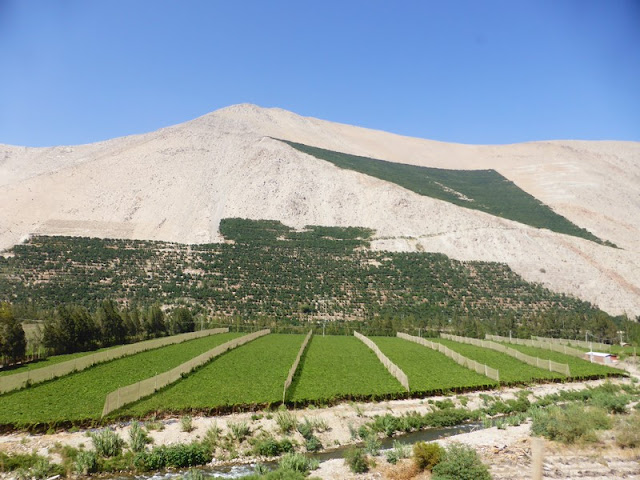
{"x":47,"y":362}
{"x":335,"y":367}
{"x":252,"y":374}
{"x":579,"y":368}
{"x":81,"y":396}
{"x":429,"y":371}
{"x":512,"y":371}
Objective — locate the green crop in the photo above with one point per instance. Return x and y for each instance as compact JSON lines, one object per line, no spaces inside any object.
{"x":252,"y":374}
{"x":578,"y":367}
{"x":428,"y":371}
{"x":81,"y":396}
{"x":511,"y":369}
{"x":341,"y":367}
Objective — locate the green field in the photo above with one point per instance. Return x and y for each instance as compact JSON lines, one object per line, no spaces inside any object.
{"x":47,"y":362}
{"x":252,"y":374}
{"x":484,"y":190}
{"x":512,"y":370}
{"x":335,"y":367}
{"x":429,"y":371}
{"x":81,"y":396}
{"x":579,"y":368}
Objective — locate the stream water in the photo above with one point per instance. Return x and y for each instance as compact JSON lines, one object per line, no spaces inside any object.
{"x":239,"y":471}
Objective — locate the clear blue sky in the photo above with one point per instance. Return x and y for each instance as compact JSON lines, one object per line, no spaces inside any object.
{"x":460,"y":71}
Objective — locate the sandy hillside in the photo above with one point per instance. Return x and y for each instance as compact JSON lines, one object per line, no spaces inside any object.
{"x":177,"y":183}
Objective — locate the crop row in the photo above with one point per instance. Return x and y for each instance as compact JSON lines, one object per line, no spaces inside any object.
{"x":332,"y":368}
{"x":81,"y":396}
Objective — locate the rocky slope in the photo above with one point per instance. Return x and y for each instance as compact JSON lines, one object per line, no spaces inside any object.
{"x":176,"y":184}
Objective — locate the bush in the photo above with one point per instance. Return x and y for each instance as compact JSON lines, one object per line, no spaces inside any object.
{"x":268,"y":446}
{"x":627,"y":431}
{"x":460,"y":462}
{"x":427,"y":455}
{"x":569,"y":424}
{"x":212,"y":436}
{"x":286,"y":421}
{"x":107,"y":443}
{"x":239,"y":430}
{"x":86,"y":462}
{"x":297,"y":462}
{"x":398,"y":452}
{"x":138,"y":437}
{"x":610,"y":401}
{"x":357,"y":460}
{"x":10,"y":463}
{"x":177,"y":456}
{"x":372,"y":445}
{"x":313,"y":444}
{"x":186,"y":423}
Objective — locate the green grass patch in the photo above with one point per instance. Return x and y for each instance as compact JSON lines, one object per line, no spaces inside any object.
{"x":579,"y":368}
{"x":484,"y":190}
{"x":80,"y":396}
{"x":428,"y":370}
{"x":512,"y":370}
{"x":251,"y":374}
{"x":336,"y":367}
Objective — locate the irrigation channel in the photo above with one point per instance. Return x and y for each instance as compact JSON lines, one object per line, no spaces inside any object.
{"x":239,"y":471}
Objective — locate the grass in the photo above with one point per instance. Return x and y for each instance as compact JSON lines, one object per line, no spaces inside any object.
{"x":428,"y":370}
{"x":484,"y":190}
{"x":336,"y":367}
{"x":512,"y":370}
{"x":80,"y":396}
{"x":252,"y":374}
{"x":579,"y":368}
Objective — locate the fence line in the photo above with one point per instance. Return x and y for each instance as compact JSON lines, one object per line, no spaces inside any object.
{"x":389,"y":365}
{"x":538,"y":344}
{"x":131,"y":393}
{"x":550,"y":365}
{"x":294,"y":367}
{"x":20,"y":380}
{"x":577,"y":343}
{"x":480,"y":368}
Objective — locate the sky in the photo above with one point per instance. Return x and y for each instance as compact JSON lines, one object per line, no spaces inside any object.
{"x":479,"y":72}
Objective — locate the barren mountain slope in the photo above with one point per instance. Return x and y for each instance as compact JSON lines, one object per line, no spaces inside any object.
{"x":177,"y":183}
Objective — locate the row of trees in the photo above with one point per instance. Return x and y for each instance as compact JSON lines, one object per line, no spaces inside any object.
{"x":72,"y":328}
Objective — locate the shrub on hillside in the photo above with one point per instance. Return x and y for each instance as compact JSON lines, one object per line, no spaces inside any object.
{"x":427,"y":455}
{"x":460,"y":462}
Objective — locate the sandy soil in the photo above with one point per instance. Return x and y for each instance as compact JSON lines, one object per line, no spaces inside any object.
{"x":176,"y":184}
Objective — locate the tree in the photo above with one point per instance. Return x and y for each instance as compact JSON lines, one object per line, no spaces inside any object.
{"x":112,"y":327}
{"x":154,"y":325}
{"x":70,"y":329}
{"x":13,"y":343}
{"x":182,"y":321}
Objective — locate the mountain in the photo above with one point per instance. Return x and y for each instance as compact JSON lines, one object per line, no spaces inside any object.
{"x":177,"y":183}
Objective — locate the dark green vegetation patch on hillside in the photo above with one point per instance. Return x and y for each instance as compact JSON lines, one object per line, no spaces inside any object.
{"x":484,"y":190}
{"x":269,"y":270}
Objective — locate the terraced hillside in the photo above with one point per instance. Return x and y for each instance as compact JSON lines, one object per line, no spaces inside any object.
{"x":267,"y":269}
